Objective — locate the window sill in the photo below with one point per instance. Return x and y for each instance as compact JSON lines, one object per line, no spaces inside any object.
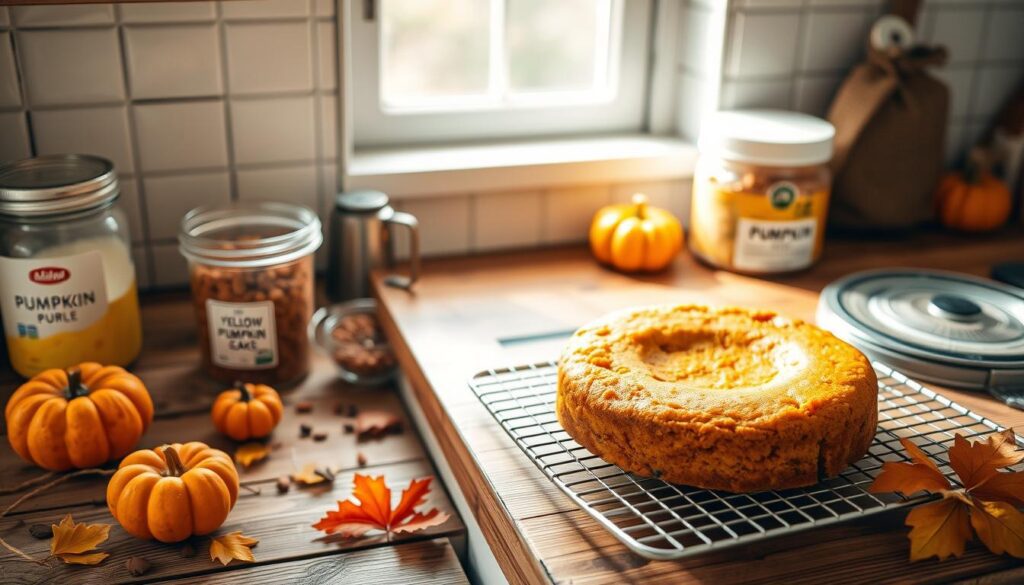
{"x":433,"y":170}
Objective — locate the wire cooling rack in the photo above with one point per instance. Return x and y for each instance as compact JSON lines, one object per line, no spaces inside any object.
{"x":660,"y":520}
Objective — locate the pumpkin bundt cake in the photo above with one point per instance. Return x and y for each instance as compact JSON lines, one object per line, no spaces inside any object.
{"x":729,"y":399}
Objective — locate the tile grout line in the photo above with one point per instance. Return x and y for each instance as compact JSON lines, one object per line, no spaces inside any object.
{"x":229,"y":138}
{"x":137,"y":170}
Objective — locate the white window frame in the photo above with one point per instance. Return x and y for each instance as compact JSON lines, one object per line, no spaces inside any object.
{"x":433,"y":167}
{"x":577,"y":114}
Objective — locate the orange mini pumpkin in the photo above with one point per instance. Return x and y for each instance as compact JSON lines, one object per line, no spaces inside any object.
{"x":80,"y":417}
{"x":974,"y":200}
{"x":173,"y":492}
{"x":247,"y":411}
{"x":635,"y":237}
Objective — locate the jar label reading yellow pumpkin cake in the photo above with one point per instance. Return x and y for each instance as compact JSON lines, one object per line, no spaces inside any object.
{"x":242,"y":335}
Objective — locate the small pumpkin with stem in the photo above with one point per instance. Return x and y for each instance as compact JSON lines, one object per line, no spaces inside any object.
{"x":635,"y":237}
{"x":247,"y":411}
{"x":974,"y":200}
{"x":173,"y":491}
{"x":80,"y":417}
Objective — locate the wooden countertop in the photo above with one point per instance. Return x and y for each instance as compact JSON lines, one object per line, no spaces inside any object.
{"x":290,"y":550}
{"x":449,"y":329}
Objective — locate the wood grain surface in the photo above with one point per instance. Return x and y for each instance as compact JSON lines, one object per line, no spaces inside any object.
{"x":471,"y":314}
{"x":431,"y":561}
{"x":282,"y":522}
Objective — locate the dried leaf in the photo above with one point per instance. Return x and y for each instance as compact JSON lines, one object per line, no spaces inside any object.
{"x":1001,"y":487}
{"x":939,"y":529}
{"x":250,"y":453}
{"x":72,"y":542}
{"x":977,"y":461}
{"x":232,"y":546}
{"x":1000,"y":526}
{"x":986,"y":503}
{"x":308,"y":475}
{"x":908,"y":478}
{"x":374,"y":424}
{"x":371,"y":509}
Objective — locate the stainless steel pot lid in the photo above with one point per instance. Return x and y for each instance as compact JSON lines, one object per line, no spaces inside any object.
{"x":944,"y":327}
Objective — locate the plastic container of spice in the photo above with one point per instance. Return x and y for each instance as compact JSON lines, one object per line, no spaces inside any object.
{"x":761,"y":191}
{"x":251,"y":270}
{"x":67,"y":281}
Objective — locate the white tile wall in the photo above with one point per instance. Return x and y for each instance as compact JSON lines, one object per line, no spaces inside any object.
{"x":173,"y":61}
{"x":101,"y":130}
{"x":10,"y":90}
{"x":72,"y":66}
{"x":507,"y":220}
{"x":205,"y":102}
{"x":568,"y":213}
{"x":794,"y":54}
{"x":184,"y":135}
{"x":195,"y":102}
{"x":273,"y":130}
{"x":172,"y":196}
{"x":269,"y":57}
{"x":14,"y":130}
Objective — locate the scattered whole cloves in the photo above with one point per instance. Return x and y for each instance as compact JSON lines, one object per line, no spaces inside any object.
{"x":349,"y":428}
{"x":305,"y":430}
{"x":187,"y":550}
{"x":284,"y":483}
{"x":304,"y":407}
{"x":41,"y":531}
{"x":137,"y":566}
{"x":318,"y":437}
{"x":361,"y":459}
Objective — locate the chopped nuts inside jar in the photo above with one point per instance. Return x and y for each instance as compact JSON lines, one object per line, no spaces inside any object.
{"x":251,"y":269}
{"x":289,"y":291}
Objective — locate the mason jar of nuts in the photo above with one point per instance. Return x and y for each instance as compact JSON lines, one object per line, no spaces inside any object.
{"x":251,"y":271}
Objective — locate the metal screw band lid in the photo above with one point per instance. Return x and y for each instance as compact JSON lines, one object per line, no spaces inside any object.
{"x":54,"y":184}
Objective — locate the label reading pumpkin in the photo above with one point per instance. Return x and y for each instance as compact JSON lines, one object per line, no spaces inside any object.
{"x":774,"y":245}
{"x":242,"y":335}
{"x":45,"y":296}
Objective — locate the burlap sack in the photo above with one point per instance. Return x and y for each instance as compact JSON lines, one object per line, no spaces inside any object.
{"x":890,"y":118}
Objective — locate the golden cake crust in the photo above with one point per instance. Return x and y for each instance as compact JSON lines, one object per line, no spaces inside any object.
{"x":729,"y":399}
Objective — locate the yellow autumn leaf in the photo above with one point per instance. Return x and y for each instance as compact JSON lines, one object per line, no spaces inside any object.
{"x":232,"y":546}
{"x":72,"y":542}
{"x":250,"y":453}
{"x":1000,"y":526}
{"x":308,"y":475}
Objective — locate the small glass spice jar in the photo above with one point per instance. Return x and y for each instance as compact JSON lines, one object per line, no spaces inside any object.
{"x":67,"y":281}
{"x":761,"y":191}
{"x":251,"y":272}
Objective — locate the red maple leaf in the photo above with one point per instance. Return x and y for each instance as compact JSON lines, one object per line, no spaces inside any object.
{"x":371,"y":509}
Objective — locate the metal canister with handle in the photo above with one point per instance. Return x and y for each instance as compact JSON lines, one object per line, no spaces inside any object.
{"x":362,"y":238}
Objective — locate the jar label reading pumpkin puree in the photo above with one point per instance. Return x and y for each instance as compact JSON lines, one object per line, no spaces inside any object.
{"x":42,"y":297}
{"x":774,"y":245}
{"x":242,"y":335}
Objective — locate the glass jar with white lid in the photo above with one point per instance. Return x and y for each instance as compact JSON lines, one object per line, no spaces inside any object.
{"x":761,"y":190}
{"x":68,"y":290}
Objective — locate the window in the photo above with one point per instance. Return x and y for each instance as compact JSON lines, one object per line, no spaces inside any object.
{"x":450,"y":70}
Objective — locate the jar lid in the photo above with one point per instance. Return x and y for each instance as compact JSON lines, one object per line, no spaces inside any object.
{"x":949,"y":328}
{"x":249,"y":235}
{"x":55,"y":184}
{"x":767,"y":137}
